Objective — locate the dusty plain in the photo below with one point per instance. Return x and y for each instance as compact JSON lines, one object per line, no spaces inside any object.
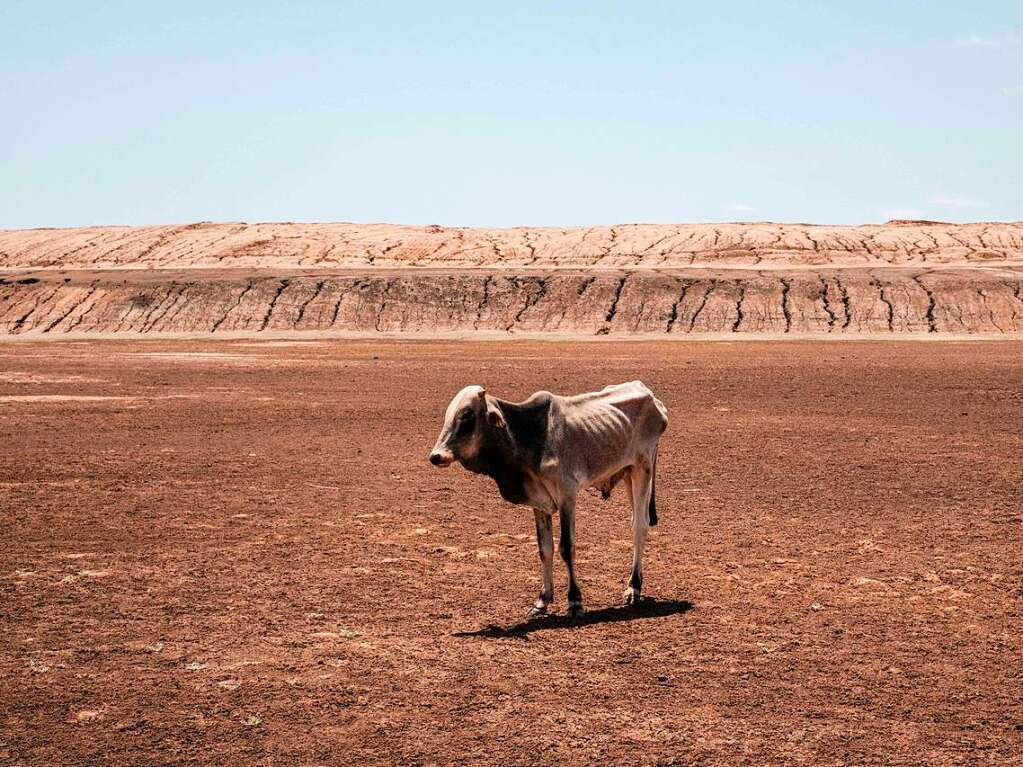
{"x":235,"y":553}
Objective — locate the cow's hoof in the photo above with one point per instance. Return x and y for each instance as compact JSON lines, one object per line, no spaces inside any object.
{"x":537,"y":611}
{"x":575,"y":611}
{"x":631,"y":596}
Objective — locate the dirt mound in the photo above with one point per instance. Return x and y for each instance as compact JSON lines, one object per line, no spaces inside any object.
{"x":834,"y":301}
{"x":905,"y":277}
{"x":331,"y":246}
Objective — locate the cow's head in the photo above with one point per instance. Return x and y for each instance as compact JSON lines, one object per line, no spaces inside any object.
{"x":470,"y":413}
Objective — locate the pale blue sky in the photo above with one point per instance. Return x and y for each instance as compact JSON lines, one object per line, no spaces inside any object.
{"x":487,"y":114}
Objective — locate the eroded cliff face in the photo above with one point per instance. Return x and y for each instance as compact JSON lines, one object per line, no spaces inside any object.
{"x":903,"y":277}
{"x":821,"y":301}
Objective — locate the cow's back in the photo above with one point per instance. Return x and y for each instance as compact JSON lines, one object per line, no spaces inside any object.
{"x":633,"y":399}
{"x":607,"y":429}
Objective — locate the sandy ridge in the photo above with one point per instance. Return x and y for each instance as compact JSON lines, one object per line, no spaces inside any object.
{"x":207,"y":245}
{"x":636,"y":280}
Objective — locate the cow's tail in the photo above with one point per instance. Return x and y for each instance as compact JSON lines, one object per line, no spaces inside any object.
{"x":652,"y":511}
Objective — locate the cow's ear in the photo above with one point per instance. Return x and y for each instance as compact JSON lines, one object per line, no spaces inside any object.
{"x":495,"y":417}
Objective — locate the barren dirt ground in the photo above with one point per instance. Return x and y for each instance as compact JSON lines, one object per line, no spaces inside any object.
{"x":236,"y":553}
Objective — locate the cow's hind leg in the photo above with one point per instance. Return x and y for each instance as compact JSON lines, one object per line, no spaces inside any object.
{"x":641,"y":487}
{"x":567,"y":547}
{"x":545,"y":545}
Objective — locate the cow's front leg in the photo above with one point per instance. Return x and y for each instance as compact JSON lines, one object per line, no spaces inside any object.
{"x":567,"y":546}
{"x":545,"y":545}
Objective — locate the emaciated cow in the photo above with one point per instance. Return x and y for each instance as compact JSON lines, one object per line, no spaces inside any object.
{"x":543,"y":451}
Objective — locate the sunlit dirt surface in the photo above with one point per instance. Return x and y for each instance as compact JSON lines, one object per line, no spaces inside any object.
{"x":236,"y":553}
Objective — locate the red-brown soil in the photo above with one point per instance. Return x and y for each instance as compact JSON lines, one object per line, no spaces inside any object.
{"x":236,"y":553}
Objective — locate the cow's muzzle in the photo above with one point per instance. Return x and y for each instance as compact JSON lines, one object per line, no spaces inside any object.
{"x":441,"y":457}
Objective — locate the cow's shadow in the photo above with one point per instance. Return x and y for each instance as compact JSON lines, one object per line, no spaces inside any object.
{"x":647,"y":608}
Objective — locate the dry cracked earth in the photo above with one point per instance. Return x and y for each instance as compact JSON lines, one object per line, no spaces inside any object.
{"x":345,"y":279}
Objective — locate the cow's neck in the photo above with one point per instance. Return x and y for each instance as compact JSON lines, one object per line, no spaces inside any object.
{"x":509,"y":453}
{"x":526,"y":427}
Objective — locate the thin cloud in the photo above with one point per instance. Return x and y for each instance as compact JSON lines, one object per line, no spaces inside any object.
{"x":741,"y":207}
{"x":957,"y":201}
{"x":979,"y":41}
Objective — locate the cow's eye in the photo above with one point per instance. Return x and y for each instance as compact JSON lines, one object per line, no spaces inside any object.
{"x":466,"y":422}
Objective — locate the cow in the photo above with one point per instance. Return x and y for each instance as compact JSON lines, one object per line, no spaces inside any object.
{"x":544,"y":450}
